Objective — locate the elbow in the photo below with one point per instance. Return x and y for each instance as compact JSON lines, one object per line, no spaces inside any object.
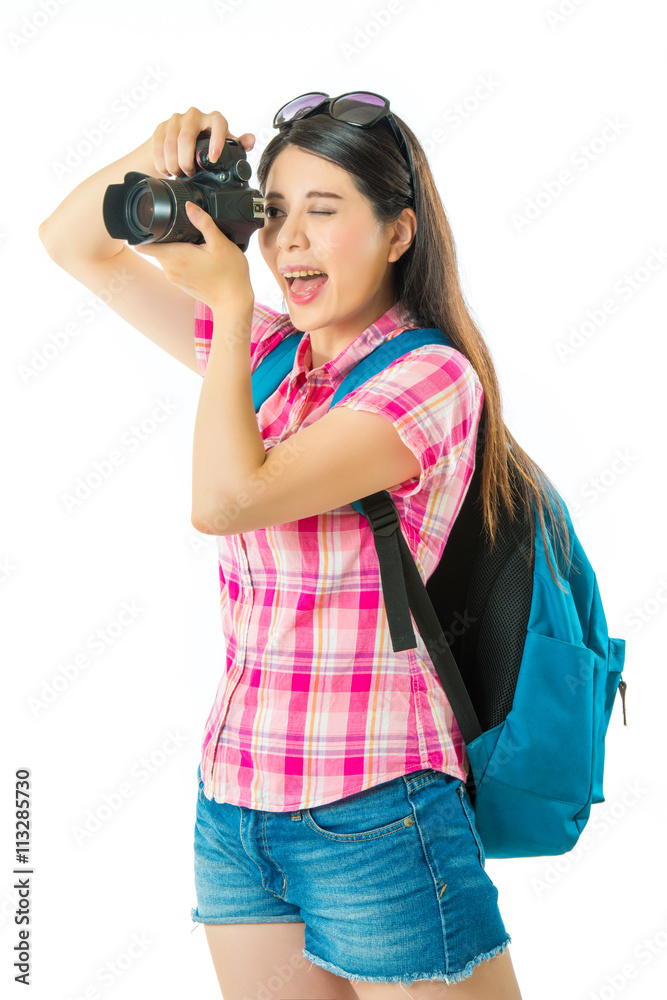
{"x":197,"y":524}
{"x":213,"y":521}
{"x":198,"y":520}
{"x":41,"y":231}
{"x":46,"y":240}
{"x":200,"y":524}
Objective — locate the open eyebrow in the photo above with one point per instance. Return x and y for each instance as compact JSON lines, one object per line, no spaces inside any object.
{"x":311,"y":194}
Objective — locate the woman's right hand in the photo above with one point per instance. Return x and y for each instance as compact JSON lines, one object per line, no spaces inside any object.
{"x":174,"y":141}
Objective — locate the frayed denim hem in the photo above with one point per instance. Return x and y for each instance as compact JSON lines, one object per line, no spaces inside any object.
{"x":454,"y":977}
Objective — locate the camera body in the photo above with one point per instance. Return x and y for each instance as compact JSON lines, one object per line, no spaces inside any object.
{"x":145,"y":209}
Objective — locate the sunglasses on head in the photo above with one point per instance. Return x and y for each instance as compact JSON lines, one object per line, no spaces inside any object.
{"x":364,"y":109}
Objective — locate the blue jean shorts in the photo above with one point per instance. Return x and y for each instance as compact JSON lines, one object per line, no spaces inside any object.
{"x":390,"y":882}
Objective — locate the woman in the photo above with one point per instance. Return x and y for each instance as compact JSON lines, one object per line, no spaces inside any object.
{"x":336,"y":853}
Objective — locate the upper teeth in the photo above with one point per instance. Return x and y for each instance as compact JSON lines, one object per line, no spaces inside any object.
{"x":299,"y":274}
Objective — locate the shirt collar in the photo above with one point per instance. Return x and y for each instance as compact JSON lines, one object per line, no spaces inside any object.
{"x":390,"y":323}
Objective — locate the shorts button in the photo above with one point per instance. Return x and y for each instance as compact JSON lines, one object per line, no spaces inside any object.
{"x":408,"y":821}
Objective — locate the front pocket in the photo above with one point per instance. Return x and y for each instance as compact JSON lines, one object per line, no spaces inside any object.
{"x":544,"y":746}
{"x":374,"y":812}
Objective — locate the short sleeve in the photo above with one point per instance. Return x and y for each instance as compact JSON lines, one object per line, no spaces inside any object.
{"x":265,"y":321}
{"x":434,"y":398}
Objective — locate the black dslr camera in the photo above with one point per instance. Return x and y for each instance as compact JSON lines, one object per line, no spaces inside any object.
{"x":146,"y":209}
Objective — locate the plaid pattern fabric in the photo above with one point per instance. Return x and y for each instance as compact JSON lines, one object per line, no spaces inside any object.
{"x":314,"y":704}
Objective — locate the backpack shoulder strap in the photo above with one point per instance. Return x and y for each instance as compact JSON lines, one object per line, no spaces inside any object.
{"x":381,"y":358}
{"x":273,"y":368}
{"x":276,"y":365}
{"x":383,"y":355}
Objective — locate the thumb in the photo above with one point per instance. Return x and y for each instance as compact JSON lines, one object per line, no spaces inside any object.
{"x":247,"y":140}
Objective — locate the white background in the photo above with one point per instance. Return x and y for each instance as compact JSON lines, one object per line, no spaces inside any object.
{"x":595,"y":415}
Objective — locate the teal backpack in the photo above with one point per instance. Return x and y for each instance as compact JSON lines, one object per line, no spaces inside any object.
{"x":529,"y":670}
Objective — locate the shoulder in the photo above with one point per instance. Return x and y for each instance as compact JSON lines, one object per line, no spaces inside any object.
{"x":430,"y":375}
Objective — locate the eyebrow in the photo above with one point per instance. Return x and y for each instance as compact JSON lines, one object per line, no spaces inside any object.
{"x":311,"y":194}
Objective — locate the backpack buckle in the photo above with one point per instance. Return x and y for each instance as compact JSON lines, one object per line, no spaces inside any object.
{"x":380,"y":510}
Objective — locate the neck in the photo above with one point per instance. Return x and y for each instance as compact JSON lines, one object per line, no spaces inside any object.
{"x":328,"y":342}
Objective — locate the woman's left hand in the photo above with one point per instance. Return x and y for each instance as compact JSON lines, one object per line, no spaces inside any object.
{"x":216,"y":271}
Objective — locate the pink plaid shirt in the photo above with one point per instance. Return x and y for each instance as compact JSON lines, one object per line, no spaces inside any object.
{"x":314,"y":704}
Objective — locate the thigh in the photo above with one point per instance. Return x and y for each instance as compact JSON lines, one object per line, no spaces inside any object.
{"x":265,"y":961}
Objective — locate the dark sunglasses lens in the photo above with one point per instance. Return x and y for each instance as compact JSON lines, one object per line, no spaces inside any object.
{"x":358,"y":109}
{"x":298,"y":107}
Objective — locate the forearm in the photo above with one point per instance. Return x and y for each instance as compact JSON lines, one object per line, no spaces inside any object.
{"x":228,"y":448}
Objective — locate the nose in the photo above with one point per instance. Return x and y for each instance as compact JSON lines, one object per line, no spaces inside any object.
{"x":291,"y":234}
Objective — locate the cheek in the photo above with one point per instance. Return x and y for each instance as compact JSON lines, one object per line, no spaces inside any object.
{"x":344,"y":245}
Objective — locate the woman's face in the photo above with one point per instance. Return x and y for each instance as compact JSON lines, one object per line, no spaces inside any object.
{"x":337,"y":235}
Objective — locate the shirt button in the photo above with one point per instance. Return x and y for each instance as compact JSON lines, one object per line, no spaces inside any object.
{"x":408,"y":821}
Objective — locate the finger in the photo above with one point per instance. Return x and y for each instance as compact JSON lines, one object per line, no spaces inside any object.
{"x":170,"y":144}
{"x":191,"y":128}
{"x":219,"y":131}
{"x":247,"y":140}
{"x":158,"y":148}
{"x":205,"y":223}
{"x":200,"y":218}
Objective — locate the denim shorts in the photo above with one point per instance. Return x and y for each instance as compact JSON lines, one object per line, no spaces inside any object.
{"x":390,"y":882}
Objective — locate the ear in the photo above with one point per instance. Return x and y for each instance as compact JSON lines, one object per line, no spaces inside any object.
{"x":402,"y":234}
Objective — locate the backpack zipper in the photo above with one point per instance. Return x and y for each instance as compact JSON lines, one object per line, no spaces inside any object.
{"x":621,"y":687}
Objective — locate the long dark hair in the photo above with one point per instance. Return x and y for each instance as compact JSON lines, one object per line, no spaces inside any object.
{"x":427,"y":287}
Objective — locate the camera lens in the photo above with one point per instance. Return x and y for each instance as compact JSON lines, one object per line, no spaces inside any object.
{"x":143,"y":210}
{"x":151,"y":207}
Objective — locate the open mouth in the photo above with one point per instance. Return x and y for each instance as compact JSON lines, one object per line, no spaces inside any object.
{"x":310,"y":280}
{"x":306,"y":288}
